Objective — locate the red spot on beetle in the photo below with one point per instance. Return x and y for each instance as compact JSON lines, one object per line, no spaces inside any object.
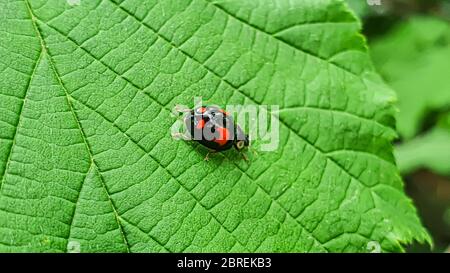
{"x":224,"y":136}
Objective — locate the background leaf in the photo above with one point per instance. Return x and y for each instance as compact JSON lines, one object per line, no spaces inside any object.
{"x":413,"y":59}
{"x":430,"y":150}
{"x":86,"y":154}
{"x":360,"y":7}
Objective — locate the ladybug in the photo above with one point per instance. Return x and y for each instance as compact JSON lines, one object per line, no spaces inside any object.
{"x":215,"y":129}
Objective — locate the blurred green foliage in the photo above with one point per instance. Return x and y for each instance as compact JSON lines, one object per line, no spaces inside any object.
{"x":430,"y":150}
{"x":360,"y":7}
{"x":414,"y":59}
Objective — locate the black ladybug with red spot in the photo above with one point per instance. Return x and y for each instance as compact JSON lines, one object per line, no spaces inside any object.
{"x":215,"y":129}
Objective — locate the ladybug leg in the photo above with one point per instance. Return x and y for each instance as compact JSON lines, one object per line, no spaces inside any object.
{"x":253,"y":150}
{"x":183,"y":136}
{"x":209,"y":153}
{"x":182,"y":109}
{"x":244,"y":156}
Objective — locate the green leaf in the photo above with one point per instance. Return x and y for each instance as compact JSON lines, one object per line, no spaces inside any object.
{"x":430,"y":150}
{"x":413,"y":59}
{"x":87,"y":161}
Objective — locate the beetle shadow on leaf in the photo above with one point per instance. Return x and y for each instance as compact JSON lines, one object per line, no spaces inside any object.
{"x":216,"y":158}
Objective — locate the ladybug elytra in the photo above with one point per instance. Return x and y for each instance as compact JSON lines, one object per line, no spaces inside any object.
{"x":215,"y":129}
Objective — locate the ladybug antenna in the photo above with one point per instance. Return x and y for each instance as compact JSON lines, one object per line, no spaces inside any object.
{"x":181,"y":109}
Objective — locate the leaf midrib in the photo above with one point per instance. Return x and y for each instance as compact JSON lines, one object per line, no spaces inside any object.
{"x":88,"y":148}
